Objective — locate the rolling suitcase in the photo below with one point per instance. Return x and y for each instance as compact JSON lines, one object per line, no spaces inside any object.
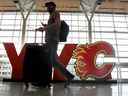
{"x":36,"y":68}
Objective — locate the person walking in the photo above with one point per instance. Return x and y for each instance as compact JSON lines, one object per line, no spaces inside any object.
{"x":52,"y":29}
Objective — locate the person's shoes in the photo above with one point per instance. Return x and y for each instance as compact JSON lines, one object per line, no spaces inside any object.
{"x":35,"y":84}
{"x":69,"y":80}
{"x":26,"y":85}
{"x":49,"y":85}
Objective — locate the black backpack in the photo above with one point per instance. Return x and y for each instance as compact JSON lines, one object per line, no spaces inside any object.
{"x":64,"y":30}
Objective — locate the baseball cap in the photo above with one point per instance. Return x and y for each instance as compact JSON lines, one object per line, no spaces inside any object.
{"x":49,"y":4}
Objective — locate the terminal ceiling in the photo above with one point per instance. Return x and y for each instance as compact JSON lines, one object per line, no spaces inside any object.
{"x":117,"y":6}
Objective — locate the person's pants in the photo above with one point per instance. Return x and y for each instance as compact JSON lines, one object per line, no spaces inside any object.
{"x":52,"y":49}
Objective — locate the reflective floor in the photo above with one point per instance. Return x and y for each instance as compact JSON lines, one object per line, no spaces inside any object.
{"x":57,"y":89}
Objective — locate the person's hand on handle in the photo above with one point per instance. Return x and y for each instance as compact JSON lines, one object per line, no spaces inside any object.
{"x":40,"y":29}
{"x":43,"y":24}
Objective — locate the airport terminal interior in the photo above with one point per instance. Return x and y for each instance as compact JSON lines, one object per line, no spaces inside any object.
{"x":96,"y":50}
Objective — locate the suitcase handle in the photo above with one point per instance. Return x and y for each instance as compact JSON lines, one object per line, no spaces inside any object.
{"x":36,"y":37}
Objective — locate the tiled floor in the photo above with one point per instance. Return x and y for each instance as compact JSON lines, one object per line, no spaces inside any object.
{"x":57,"y":89}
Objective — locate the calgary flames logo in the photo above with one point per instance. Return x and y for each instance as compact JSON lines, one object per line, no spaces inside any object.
{"x":86,"y":56}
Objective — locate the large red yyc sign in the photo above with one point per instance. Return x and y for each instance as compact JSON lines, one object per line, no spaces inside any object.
{"x":65,"y":56}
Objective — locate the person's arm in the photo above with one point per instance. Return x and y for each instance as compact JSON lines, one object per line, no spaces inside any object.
{"x":41,"y":28}
{"x":56,"y":23}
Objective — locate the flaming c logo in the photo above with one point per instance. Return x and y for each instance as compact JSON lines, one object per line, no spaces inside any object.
{"x":86,"y":56}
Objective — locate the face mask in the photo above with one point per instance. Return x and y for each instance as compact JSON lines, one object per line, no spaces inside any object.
{"x":50,"y":8}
